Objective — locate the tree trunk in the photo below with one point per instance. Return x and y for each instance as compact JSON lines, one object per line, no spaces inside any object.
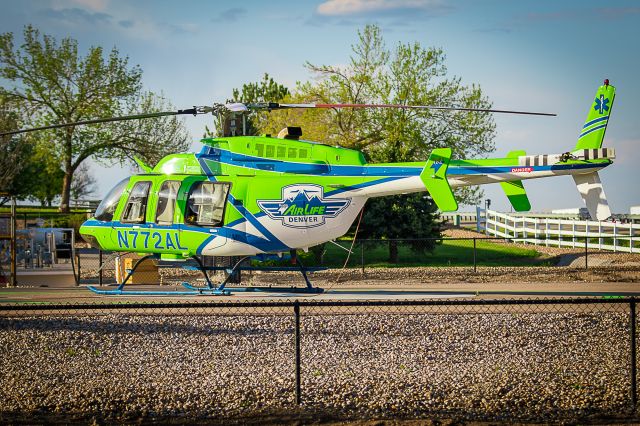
{"x":393,"y":251}
{"x":66,"y":191}
{"x":68,"y":174}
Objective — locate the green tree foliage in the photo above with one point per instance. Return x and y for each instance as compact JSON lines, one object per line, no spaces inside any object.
{"x":265,"y":90}
{"x":26,"y":167}
{"x":56,"y":84}
{"x":401,"y":217}
{"x":149,"y":139}
{"x":42,"y":178}
{"x":12,"y":152}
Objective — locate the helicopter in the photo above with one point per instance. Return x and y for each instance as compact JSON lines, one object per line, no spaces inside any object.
{"x":243,"y":196}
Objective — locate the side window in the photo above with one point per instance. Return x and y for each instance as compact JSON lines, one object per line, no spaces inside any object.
{"x":206,"y":203}
{"x":136,"y":207}
{"x":167,"y":202}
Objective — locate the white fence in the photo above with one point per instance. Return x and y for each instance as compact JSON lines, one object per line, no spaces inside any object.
{"x":622,"y":237}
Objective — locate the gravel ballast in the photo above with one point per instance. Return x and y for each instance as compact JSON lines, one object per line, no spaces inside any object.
{"x":536,"y":366}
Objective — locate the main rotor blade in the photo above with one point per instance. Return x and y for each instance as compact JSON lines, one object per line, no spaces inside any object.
{"x":443,"y":108}
{"x":192,"y":111}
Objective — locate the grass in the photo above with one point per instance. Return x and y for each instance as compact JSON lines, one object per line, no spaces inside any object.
{"x":40,"y":209}
{"x":449,"y":253}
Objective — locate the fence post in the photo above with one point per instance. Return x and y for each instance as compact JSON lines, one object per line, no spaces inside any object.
{"x":77,"y":259}
{"x":13,"y":249}
{"x":586,"y":254}
{"x":546,"y":231}
{"x":632,"y":336}
{"x":100,"y":267}
{"x":362,"y":255}
{"x":474,"y":255}
{"x":296,"y":314}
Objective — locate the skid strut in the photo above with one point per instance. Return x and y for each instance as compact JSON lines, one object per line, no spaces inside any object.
{"x":237,"y":267}
{"x":120,"y":291}
{"x":220,"y":290}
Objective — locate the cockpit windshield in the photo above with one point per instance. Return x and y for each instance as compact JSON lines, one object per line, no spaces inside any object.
{"x":108,"y":206}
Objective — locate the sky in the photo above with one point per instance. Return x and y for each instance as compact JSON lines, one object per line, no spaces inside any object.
{"x":537,"y":55}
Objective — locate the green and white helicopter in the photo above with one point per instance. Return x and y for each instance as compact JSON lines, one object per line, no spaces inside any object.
{"x":242,"y":196}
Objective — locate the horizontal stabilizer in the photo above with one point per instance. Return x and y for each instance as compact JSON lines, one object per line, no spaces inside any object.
{"x":434,"y":177}
{"x":539,"y":160}
{"x":595,"y":154}
{"x":580,"y":154}
{"x":592,"y":193}
{"x":517,"y":195}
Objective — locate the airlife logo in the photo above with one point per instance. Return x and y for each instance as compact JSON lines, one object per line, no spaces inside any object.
{"x":303,"y":206}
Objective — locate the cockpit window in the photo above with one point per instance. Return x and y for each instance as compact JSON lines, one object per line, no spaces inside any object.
{"x":136,"y":207}
{"x":206,"y":203}
{"x":108,"y":206}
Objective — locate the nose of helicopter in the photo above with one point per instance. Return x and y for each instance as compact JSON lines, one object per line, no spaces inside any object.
{"x":88,"y":234}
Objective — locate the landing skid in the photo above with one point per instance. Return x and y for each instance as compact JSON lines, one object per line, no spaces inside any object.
{"x":195,"y":291}
{"x":210,"y":289}
{"x":310,"y":290}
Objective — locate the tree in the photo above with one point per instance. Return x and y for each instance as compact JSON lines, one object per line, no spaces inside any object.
{"x":84,"y":184}
{"x":266,"y":90}
{"x":13,"y":151}
{"x":42,"y":177}
{"x":60,"y":86}
{"x":26,"y":169}
{"x":149,"y":139}
{"x":400,"y":217}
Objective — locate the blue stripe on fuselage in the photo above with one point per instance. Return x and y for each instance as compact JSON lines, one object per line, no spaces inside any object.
{"x":322,"y":169}
{"x":484,"y":170}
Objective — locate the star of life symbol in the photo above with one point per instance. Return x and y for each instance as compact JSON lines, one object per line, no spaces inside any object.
{"x":601,"y":104}
{"x":303,"y":206}
{"x":436,"y":166}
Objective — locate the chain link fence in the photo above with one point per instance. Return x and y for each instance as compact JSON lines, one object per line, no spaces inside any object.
{"x":45,"y":242}
{"x":448,"y":258}
{"x":524,"y":360}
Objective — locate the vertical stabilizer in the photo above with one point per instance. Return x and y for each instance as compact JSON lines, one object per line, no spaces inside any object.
{"x":592,"y":193}
{"x":592,"y":133}
{"x":434,"y":177}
